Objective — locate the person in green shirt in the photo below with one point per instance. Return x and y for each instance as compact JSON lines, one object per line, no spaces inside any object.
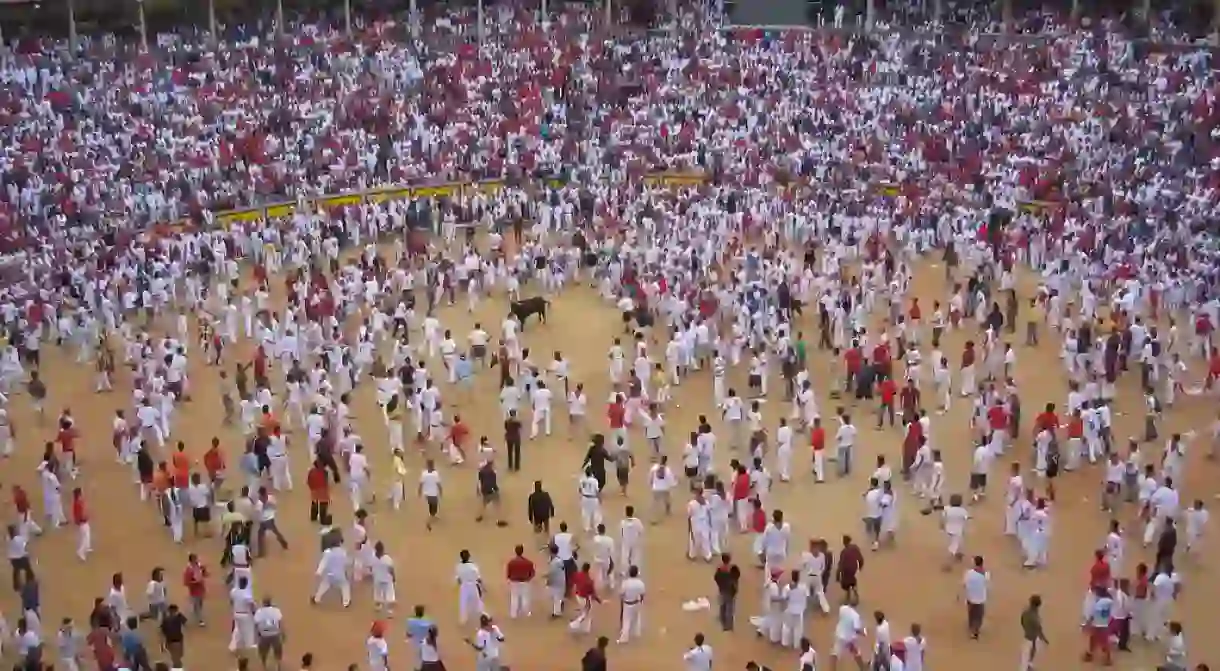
{"x":800,"y":350}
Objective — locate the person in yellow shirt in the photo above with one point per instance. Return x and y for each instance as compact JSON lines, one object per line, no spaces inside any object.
{"x":1034,"y":316}
{"x":398,"y":490}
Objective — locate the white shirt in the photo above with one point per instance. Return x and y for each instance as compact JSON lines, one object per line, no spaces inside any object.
{"x":488,"y":642}
{"x":698,"y":658}
{"x":430,"y":483}
{"x":268,"y":620}
{"x":632,"y":591}
{"x":976,"y":584}
{"x":849,"y":625}
{"x":954,"y":520}
{"x":379,"y":652}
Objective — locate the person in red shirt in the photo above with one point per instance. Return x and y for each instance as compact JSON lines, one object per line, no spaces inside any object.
{"x":1047,"y":420}
{"x":969,"y":385}
{"x":888,"y":389}
{"x":817,"y":442}
{"x":1075,"y":436}
{"x":911,"y":442}
{"x":758,"y":525}
{"x":214,"y":464}
{"x":616,"y":415}
{"x":80,"y":517}
{"x":881,"y":358}
{"x":741,"y":498}
{"x":458,"y":433}
{"x":181,"y":466}
{"x":99,"y":641}
{"x":67,"y":442}
{"x":519,"y":571}
{"x":997,"y":422}
{"x":194,"y":578}
{"x":854,"y":360}
{"x":319,"y":491}
{"x":585,"y":592}
{"x":21,"y":503}
{"x":909,"y":399}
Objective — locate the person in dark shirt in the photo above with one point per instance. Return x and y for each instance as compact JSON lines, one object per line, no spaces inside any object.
{"x":595,"y":657}
{"x":173,"y":635}
{"x":489,"y":492}
{"x":728,"y":578}
{"x":596,"y":458}
{"x":851,"y":562}
{"x":541,"y":509}
{"x":512,"y":438}
{"x":1166,"y":546}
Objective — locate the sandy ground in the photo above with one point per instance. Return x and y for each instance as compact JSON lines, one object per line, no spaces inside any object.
{"x":906,"y":582}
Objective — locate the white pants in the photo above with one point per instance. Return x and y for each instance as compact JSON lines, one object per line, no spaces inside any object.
{"x":470,"y":601}
{"x":632,"y":624}
{"x":541,"y":418}
{"x":583,"y":623}
{"x":519,"y":599}
{"x":242,"y":637}
{"x":84,"y":541}
{"x":590,"y":513}
{"x":327,"y":582}
{"x":384,"y":594}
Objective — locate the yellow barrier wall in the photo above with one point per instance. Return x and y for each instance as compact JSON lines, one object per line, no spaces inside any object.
{"x":450,"y":189}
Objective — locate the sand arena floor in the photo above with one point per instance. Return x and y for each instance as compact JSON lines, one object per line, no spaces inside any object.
{"x":906,"y":582}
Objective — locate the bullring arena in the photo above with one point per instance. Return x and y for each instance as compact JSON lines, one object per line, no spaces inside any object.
{"x":906,"y":579}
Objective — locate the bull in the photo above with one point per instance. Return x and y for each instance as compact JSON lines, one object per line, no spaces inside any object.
{"x":527,"y":307}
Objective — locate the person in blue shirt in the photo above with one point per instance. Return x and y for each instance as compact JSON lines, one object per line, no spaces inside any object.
{"x":132,"y":646}
{"x":463,"y":371}
{"x":417,"y":630}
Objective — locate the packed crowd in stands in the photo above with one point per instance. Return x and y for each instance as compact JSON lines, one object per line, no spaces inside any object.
{"x":1092,"y":125}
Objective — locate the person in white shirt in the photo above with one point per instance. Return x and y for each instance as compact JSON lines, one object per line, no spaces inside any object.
{"x":632,"y":593}
{"x":975,"y":585}
{"x":470,"y":587}
{"x":332,"y":573}
{"x":269,"y":625}
{"x":384,"y":579}
{"x":783,"y":451}
{"x":1164,"y":590}
{"x":540,"y":401}
{"x":953,"y":522}
{"x":590,"y":501}
{"x":796,"y":602}
{"x":430,"y":489}
{"x":241,"y":599}
{"x":699,"y":528}
{"x":578,"y":405}
{"x":848,"y":631}
{"x":661,"y":481}
{"x":487,"y":643}
{"x":845,"y":442}
{"x":699,"y":657}
{"x":1196,"y":521}
{"x":377,"y":647}
{"x":631,"y":539}
{"x":776,"y":541}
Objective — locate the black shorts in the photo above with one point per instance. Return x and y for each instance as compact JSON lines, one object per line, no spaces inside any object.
{"x":978,"y":481}
{"x":627,"y":317}
{"x":201,"y":514}
{"x":755,"y":381}
{"x":872,"y":525}
{"x":847,"y":582}
{"x":434,"y":505}
{"x":691,"y":471}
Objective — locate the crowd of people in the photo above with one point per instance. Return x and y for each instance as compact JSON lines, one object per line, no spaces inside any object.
{"x":834,"y":164}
